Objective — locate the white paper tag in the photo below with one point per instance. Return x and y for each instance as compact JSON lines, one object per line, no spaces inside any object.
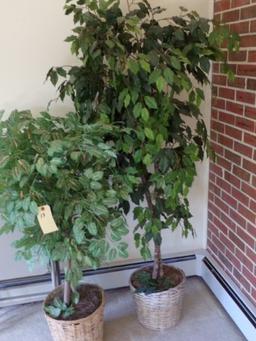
{"x":46,"y":220}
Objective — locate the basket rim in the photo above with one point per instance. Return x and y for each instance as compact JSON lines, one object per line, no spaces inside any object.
{"x":160,"y":292}
{"x":68,"y":322}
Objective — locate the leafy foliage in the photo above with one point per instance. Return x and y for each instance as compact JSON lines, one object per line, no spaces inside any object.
{"x":146,"y":74}
{"x":148,"y":285}
{"x":68,"y":165}
{"x":59,"y":309}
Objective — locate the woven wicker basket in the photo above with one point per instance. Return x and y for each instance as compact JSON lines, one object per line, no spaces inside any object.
{"x":89,"y":328}
{"x":161,"y":310}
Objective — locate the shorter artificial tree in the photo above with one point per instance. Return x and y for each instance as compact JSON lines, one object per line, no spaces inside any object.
{"x":67,"y":165}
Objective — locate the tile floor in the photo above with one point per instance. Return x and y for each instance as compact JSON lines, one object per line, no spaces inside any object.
{"x":203,"y":320}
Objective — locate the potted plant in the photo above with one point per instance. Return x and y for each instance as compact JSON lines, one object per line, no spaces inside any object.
{"x":67,"y":165}
{"x":147,"y":74}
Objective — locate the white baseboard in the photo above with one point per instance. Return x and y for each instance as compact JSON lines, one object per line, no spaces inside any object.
{"x":236,"y":304}
{"x":196,"y":263}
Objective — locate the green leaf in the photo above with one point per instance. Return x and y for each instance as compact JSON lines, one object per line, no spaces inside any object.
{"x":88,"y":173}
{"x":147,"y":160}
{"x":53,"y":77}
{"x":52,"y":311}
{"x":75,"y":156}
{"x":29,"y":219}
{"x":97,"y":176}
{"x":133,"y":66}
{"x":56,"y":146}
{"x":75,"y":297}
{"x":117,"y":222}
{"x":92,"y":228}
{"x":112,"y":254}
{"x":61,"y":71}
{"x":205,"y":64}
{"x":26,"y":203}
{"x":99,"y":209}
{"x":159,"y":140}
{"x":169,"y":75}
{"x":149,"y":133}
{"x":135,"y":95}
{"x":150,"y":102}
{"x":175,"y":63}
{"x":33,"y":207}
{"x":115,"y":236}
{"x":79,"y":233}
{"x":110,"y":202}
{"x":145,"y":114}
{"x":123,"y":253}
{"x":138,"y":156}
{"x":145,"y":253}
{"x":127,"y":100}
{"x":95,"y":248}
{"x":161,"y":84}
{"x":41,"y":167}
{"x":154,"y":76}
{"x":137,"y":110}
{"x":145,"y":65}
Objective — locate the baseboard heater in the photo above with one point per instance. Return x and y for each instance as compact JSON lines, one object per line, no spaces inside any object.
{"x":236,"y":304}
{"x":35,"y":288}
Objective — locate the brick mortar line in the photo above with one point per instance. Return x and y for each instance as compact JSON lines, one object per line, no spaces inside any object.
{"x":229,"y":194}
{"x":242,"y":264}
{"x":232,"y":272}
{"x":240,"y":189}
{"x":236,"y":248}
{"x":237,"y":101}
{"x":235,"y":8}
{"x":235,"y":152}
{"x":233,"y":126}
{"x":236,"y":89}
{"x":236,"y":224}
{"x":232,"y":187}
{"x":231,"y":87}
{"x":238,"y":76}
{"x":229,"y":229}
{"x":231,"y":112}
{"x":229,"y":273}
{"x":228,"y":112}
{"x":242,"y":48}
{"x":233,"y":277}
{"x":237,"y":21}
{"x":237,"y":63}
{"x":231,"y":207}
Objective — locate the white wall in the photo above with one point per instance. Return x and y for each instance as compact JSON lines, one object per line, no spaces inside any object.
{"x":32,"y":34}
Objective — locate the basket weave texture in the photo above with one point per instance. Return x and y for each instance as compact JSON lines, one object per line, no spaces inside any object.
{"x":161,"y":310}
{"x":89,"y":328}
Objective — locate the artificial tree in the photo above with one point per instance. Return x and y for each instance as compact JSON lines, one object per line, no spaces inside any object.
{"x":146,"y":73}
{"x":63,"y":163}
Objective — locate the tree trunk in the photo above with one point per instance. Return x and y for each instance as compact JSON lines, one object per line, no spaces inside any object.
{"x":157,"y":266}
{"x":67,"y":286}
{"x":55,"y":274}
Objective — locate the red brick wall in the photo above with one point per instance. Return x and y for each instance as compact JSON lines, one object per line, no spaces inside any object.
{"x":232,"y":179}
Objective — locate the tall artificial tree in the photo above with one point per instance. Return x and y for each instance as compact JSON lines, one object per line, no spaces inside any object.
{"x":146,"y":73}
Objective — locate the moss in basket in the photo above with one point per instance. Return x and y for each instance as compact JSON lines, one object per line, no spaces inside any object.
{"x":133,"y":69}
{"x":68,"y":165}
